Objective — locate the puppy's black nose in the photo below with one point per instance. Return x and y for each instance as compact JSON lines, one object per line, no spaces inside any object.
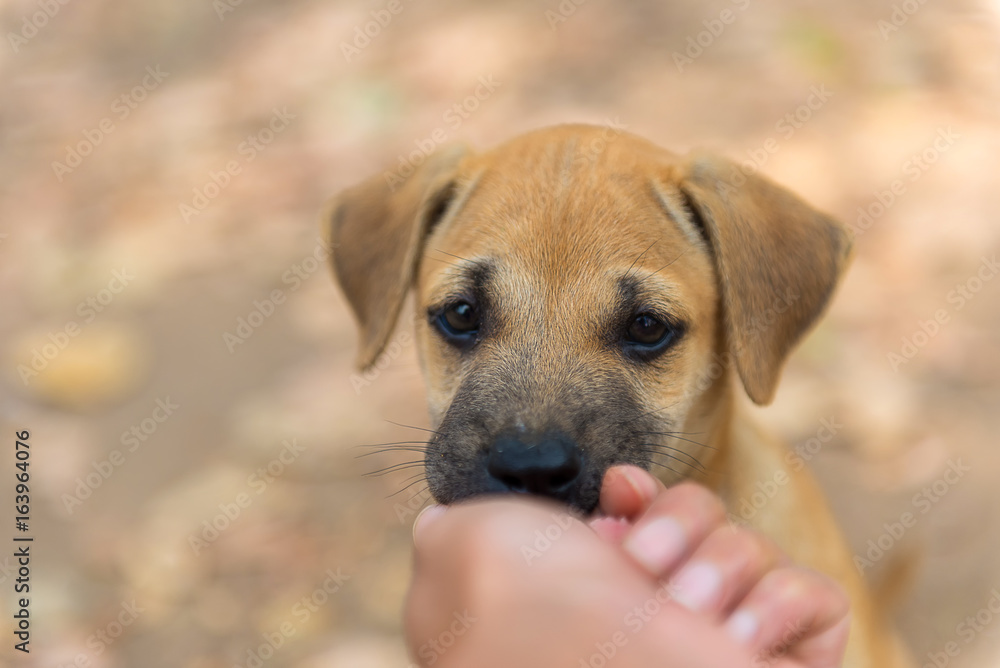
{"x":547,"y":466}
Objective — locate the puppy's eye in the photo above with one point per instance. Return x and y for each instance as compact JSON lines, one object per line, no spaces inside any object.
{"x":462,"y":317}
{"x":459,"y":322}
{"x":647,"y":336}
{"x":647,"y":330}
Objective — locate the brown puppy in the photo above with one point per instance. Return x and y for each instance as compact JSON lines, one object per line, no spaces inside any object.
{"x":586,"y":298}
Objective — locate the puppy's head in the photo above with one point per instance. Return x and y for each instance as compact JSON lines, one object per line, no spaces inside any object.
{"x":581,"y":296}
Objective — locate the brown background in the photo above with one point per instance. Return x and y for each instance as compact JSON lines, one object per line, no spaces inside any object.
{"x":161,"y":337}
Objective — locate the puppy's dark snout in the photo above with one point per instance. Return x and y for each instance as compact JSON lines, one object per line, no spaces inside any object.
{"x":547,"y":466}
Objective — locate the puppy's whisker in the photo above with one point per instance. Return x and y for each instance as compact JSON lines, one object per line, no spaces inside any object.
{"x":415,"y":446}
{"x":430,"y":498}
{"x":414,"y":477}
{"x":378,"y":445}
{"x":452,"y":269}
{"x":408,"y":426}
{"x":477,"y":263}
{"x":441,"y":259}
{"x":689,"y":465}
{"x":385,"y":473}
{"x":671,"y":434}
{"x":674,"y":453}
{"x":662,"y":449}
{"x":701,"y":468}
{"x":407,"y":487}
{"x":682,"y":433}
{"x":396,"y":467}
{"x":639,"y":258}
{"x":657,"y":410}
{"x":662,"y":465}
{"x":663,"y":267}
{"x":385,"y":450}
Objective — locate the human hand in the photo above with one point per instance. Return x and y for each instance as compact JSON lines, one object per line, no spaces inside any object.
{"x":517,"y":581}
{"x":734,"y":575}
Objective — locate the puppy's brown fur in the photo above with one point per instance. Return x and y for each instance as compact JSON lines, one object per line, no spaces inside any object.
{"x":560,"y":236}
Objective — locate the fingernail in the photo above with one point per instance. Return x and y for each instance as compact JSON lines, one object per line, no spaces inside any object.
{"x":612,"y":529}
{"x":697,"y":586}
{"x":425,"y":518}
{"x":742,"y":626}
{"x":642,"y":483}
{"x":657,"y":545}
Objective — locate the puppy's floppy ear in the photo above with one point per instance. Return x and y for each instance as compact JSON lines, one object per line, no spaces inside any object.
{"x":778,"y":261}
{"x":376,"y":232}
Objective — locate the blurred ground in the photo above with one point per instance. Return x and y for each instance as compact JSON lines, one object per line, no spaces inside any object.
{"x":235,"y":504}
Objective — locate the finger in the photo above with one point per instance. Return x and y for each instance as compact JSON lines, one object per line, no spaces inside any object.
{"x":450,"y":534}
{"x":479,"y":552}
{"x":513,"y":558}
{"x":795,"y":612}
{"x":627,"y":491}
{"x":675,"y":524}
{"x":612,"y":529}
{"x":426,"y":517}
{"x":723,"y":570}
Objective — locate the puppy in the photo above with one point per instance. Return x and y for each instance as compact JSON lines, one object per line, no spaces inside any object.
{"x":585,"y":298}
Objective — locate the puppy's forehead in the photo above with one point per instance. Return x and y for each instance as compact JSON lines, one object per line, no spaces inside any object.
{"x":570,"y":205}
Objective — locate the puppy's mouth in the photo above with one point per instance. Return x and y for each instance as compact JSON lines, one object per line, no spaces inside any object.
{"x":554,"y":436}
{"x":549,"y":464}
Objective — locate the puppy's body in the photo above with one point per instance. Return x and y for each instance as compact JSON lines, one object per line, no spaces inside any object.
{"x":585,"y":299}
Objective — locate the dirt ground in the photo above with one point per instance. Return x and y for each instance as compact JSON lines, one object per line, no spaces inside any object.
{"x":183,"y":361}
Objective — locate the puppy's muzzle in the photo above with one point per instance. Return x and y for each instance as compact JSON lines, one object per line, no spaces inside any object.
{"x":545,"y":465}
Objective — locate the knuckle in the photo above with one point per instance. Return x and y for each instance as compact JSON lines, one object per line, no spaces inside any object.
{"x":757,"y":550}
{"x":787,"y":585}
{"x":484,"y":537}
{"x":838,"y":598}
{"x":743,"y":553}
{"x":693,"y":495}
